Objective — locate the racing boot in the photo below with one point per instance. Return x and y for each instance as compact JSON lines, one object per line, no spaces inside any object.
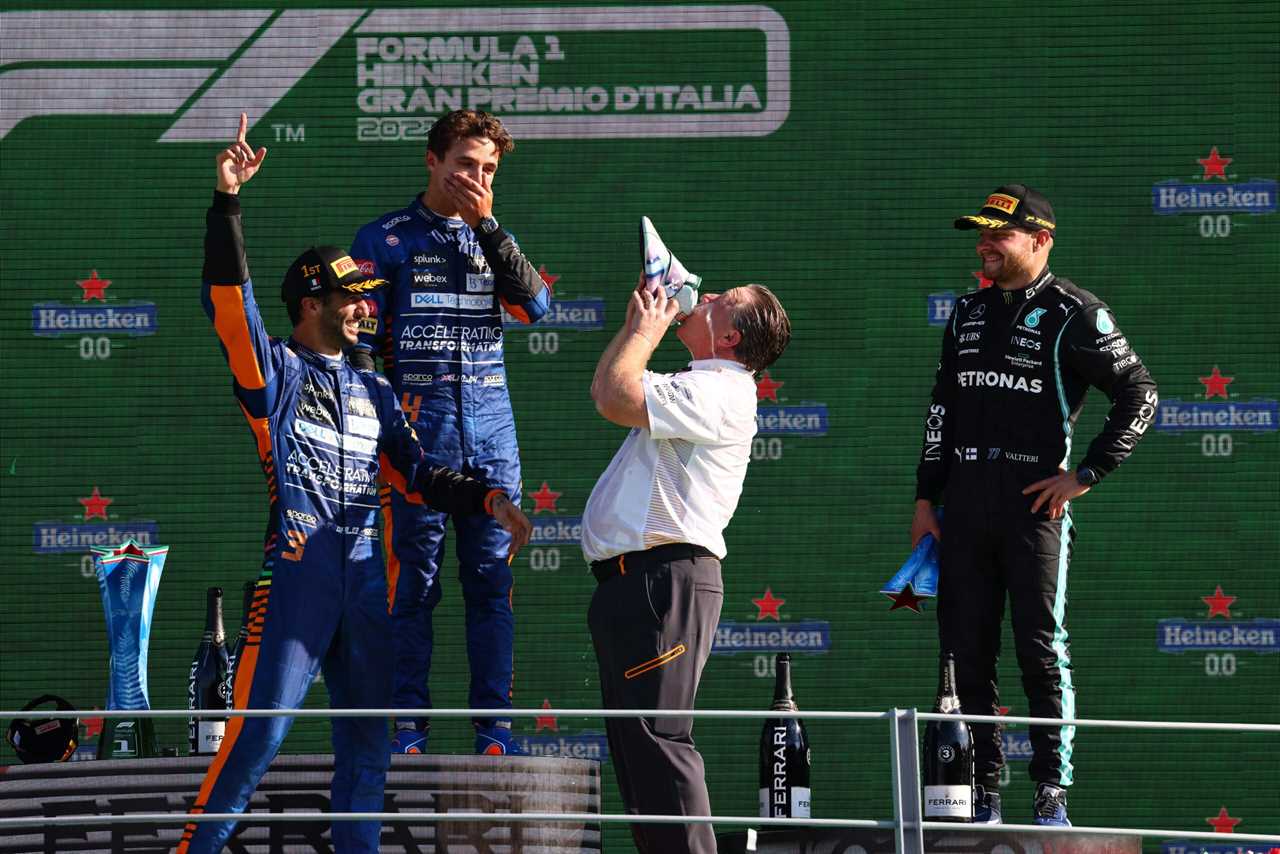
{"x":410,"y":739}
{"x":493,"y":738}
{"x":986,"y":806}
{"x":1050,"y":808}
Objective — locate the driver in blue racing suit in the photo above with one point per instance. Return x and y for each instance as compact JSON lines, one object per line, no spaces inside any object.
{"x":325,"y":433}
{"x":438,"y":327}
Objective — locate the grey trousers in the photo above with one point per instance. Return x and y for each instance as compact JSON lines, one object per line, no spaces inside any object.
{"x":653,"y":618}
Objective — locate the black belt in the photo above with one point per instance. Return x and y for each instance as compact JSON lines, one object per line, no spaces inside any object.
{"x":621,"y":564}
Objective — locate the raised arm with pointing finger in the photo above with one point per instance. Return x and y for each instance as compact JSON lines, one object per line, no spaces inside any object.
{"x":324,"y":434}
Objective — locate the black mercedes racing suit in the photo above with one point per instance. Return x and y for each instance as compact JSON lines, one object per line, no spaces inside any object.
{"x":1012,"y":379}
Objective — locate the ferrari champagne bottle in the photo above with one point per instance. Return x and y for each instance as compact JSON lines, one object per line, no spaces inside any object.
{"x":209,"y":683}
{"x":948,"y":755}
{"x":784,"y":753}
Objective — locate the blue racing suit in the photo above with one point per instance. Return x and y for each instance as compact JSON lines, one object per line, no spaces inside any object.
{"x":438,"y":328}
{"x":324,"y":434}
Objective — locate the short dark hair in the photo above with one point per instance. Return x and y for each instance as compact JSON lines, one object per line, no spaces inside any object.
{"x":461,"y":124}
{"x":764,"y":326}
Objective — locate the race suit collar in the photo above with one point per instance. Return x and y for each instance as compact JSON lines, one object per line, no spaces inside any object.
{"x":717,"y":365}
{"x":1031,"y":290}
{"x":431,"y":217}
{"x":311,"y":357}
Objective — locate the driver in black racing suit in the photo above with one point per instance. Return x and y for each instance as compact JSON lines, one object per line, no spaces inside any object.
{"x":1017,"y":360}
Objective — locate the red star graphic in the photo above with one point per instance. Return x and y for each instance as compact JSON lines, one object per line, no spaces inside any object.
{"x":1002,"y":710}
{"x":92,"y":727}
{"x":542,"y":722}
{"x":1214,"y":164}
{"x":93,"y":287}
{"x":1219,"y":603}
{"x":767,"y":387}
{"x":1223,"y":823}
{"x":1215,"y":385}
{"x":768,"y":605}
{"x":544,"y":499}
{"x":906,"y":599}
{"x":95,"y":506}
{"x":983,"y":281}
{"x":548,"y":279}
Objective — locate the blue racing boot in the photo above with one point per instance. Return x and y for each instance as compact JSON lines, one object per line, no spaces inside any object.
{"x":1051,"y":806}
{"x":409,"y":739}
{"x":986,"y":806}
{"x":495,"y":739}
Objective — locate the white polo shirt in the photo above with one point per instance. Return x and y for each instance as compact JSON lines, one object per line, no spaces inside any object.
{"x":678,"y":481}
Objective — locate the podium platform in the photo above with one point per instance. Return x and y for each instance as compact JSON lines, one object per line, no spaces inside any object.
{"x":300,"y":783}
{"x":857,"y":841}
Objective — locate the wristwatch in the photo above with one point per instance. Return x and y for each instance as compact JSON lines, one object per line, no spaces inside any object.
{"x":487,"y":226}
{"x":1086,"y":476}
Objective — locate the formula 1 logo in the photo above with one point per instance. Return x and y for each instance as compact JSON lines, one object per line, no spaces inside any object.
{"x":204,"y":67}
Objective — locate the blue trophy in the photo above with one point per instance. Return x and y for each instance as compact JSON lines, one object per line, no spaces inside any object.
{"x":917,"y":579}
{"x":128,"y":578}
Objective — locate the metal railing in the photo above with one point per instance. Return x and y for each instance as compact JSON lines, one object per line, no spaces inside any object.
{"x":904,"y":736}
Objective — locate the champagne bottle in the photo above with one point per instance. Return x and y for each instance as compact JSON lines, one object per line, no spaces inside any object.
{"x":784,"y":753}
{"x":237,"y":648}
{"x":209,"y":683}
{"x":948,"y":755}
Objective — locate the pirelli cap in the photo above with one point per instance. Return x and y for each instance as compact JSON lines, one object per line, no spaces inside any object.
{"x":1012,"y":206}
{"x":325,"y":268}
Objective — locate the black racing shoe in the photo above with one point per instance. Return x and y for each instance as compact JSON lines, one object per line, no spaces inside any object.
{"x":1050,"y":806}
{"x":986,"y":806}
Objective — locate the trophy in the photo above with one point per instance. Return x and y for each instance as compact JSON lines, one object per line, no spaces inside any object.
{"x":917,"y":579}
{"x":128,"y":577}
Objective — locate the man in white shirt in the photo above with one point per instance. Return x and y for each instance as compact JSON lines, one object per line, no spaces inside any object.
{"x":653,"y":530}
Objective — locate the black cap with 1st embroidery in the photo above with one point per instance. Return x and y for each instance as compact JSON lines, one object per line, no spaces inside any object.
{"x":325,"y":268}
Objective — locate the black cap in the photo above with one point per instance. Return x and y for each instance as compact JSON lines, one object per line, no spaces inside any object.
{"x":325,"y":268}
{"x":1012,"y":206}
{"x":41,"y":739}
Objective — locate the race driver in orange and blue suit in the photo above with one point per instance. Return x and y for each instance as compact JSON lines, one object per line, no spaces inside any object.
{"x":453,"y":272}
{"x":325,"y":433}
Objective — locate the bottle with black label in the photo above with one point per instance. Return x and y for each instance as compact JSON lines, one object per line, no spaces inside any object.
{"x":208,"y":687}
{"x":237,"y":648}
{"x":784,"y":753}
{"x":948,"y":755}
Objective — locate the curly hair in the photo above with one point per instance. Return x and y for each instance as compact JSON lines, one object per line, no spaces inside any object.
{"x":461,"y":124}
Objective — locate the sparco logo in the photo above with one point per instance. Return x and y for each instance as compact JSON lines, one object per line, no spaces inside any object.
{"x":996,"y":379}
